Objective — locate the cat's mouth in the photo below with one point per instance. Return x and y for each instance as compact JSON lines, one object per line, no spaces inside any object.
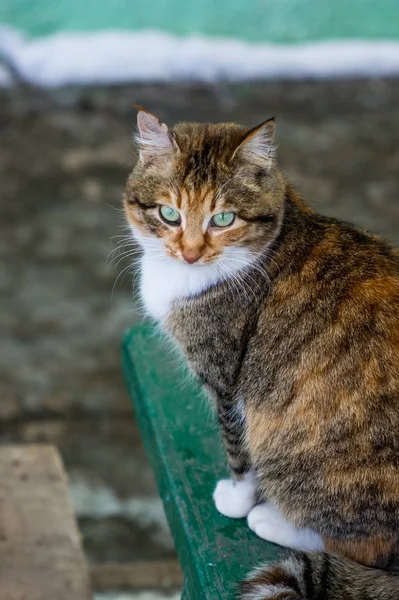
{"x":192,"y":258}
{"x":200,"y":262}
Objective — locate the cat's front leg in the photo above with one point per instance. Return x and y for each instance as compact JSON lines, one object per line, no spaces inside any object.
{"x":235,"y":497}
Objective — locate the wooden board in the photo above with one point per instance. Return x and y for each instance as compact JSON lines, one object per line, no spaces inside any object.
{"x":182,"y":441}
{"x":138,"y":575}
{"x":40,"y":553}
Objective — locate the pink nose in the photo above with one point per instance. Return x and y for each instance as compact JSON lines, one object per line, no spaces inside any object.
{"x":191,"y":256}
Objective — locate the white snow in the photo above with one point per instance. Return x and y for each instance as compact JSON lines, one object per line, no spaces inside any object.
{"x":100,"y":501}
{"x":111,"y":57}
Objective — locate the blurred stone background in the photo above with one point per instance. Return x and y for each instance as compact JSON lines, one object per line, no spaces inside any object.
{"x":65,"y":302}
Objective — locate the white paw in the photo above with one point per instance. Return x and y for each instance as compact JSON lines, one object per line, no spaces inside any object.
{"x":266,"y":521}
{"x":235,"y":498}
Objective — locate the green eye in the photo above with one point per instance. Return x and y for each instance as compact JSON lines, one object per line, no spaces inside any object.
{"x":223,"y":219}
{"x":170,"y":215}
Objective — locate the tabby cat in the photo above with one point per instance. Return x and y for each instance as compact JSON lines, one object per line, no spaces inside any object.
{"x":291,"y":322}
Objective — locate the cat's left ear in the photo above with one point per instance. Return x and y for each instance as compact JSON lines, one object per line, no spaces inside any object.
{"x":257,"y":146}
{"x":155,"y":140}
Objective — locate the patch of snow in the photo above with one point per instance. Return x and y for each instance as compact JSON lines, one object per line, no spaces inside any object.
{"x":100,"y":502}
{"x":114,"y":57}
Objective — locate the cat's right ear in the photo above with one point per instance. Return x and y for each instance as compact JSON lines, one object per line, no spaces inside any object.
{"x":154,"y":139}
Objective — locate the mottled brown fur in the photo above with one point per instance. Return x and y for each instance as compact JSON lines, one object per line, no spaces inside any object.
{"x":309,"y":343}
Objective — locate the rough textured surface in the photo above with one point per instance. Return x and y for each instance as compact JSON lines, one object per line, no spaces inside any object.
{"x":40,"y":553}
{"x":65,"y":158}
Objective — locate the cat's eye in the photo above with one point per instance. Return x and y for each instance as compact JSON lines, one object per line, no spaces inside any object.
{"x":170,"y":215}
{"x":223,"y":219}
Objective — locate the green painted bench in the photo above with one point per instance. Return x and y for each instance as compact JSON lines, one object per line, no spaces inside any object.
{"x":185,"y":451}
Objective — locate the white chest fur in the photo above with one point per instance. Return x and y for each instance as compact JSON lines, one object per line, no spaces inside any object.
{"x":165,"y":280}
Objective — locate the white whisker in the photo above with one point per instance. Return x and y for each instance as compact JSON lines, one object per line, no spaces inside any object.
{"x":116,"y":280}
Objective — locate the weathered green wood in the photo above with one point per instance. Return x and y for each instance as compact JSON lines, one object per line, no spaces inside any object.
{"x":185,"y":594}
{"x":183,"y":444}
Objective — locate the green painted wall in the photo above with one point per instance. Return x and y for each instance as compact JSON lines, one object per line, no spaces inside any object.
{"x":255,"y":20}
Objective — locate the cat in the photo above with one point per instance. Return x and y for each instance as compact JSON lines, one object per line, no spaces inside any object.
{"x":291,"y":322}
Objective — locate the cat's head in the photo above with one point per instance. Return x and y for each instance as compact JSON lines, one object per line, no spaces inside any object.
{"x":202,"y":192}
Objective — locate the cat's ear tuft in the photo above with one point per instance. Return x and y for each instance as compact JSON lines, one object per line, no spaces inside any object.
{"x":257,"y":146}
{"x":154,"y":138}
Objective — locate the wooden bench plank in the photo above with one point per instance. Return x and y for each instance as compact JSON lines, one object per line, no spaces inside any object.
{"x":138,"y":575}
{"x":184,"y":447}
{"x":40,"y":553}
